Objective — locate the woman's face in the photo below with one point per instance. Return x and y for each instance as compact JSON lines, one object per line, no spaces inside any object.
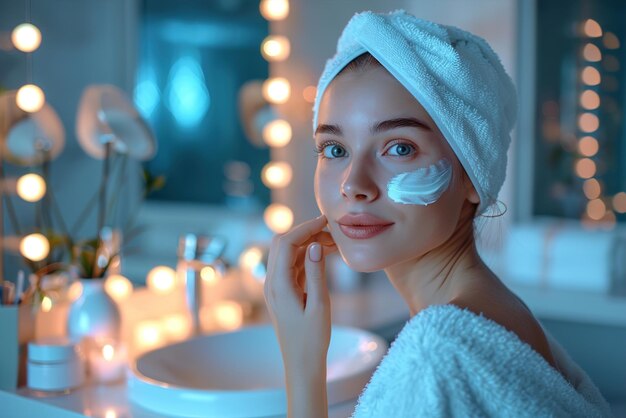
{"x":370,"y":129}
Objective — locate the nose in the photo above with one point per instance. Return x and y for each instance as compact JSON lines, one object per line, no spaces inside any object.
{"x":358,"y":183}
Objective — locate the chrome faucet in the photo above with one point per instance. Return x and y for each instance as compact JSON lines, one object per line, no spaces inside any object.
{"x":196,"y":252}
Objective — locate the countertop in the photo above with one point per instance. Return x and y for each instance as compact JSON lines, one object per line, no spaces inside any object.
{"x":375,"y":306}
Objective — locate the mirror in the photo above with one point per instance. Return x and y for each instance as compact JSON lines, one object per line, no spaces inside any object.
{"x":193,"y":58}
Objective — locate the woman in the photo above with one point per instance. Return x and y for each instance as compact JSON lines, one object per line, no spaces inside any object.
{"x":412,"y":124}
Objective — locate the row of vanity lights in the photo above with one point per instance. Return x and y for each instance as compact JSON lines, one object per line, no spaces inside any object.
{"x":278,"y":133}
{"x":30,"y":98}
{"x":599,"y":208}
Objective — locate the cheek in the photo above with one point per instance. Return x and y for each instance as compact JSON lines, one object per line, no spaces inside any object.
{"x":325,"y":188}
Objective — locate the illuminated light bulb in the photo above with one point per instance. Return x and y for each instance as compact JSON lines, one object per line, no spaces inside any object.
{"x":274,"y":9}
{"x":161,"y":279}
{"x":118,"y":287}
{"x":592,"y":53}
{"x":30,"y":98}
{"x":35,"y":247}
{"x":277,"y":133}
{"x":250,"y":258}
{"x":108,"y":352}
{"x":585,"y":168}
{"x":26,"y":37}
{"x":588,"y":122}
{"x":110,"y":413}
{"x":31,"y":187}
{"x":619,"y":202}
{"x":209,"y":274}
{"x":176,"y":326}
{"x":309,"y":93}
{"x":148,"y":334}
{"x":596,"y":209}
{"x":278,"y":218}
{"x":46,"y":304}
{"x":275,"y":48}
{"x":610,"y":41}
{"x":592,"y":189}
{"x":276,"y":174}
{"x":592,"y":28}
{"x":276,"y":90}
{"x":590,"y":100}
{"x":591,"y":76}
{"x":588,"y":146}
{"x":228,"y":314}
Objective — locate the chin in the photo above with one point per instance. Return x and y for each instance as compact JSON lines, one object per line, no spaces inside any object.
{"x":361,"y":263}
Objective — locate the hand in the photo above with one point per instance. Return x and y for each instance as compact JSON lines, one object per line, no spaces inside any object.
{"x":296,"y":294}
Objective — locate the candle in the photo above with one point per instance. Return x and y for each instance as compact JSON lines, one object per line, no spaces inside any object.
{"x":107,"y":361}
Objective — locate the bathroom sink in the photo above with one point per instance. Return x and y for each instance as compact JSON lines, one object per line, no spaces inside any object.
{"x":240,"y":373}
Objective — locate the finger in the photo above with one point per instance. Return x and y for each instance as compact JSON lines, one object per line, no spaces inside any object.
{"x":316,"y":286}
{"x":281,"y":261}
{"x":299,"y":267}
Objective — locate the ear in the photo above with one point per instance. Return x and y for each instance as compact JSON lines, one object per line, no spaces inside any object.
{"x":471,"y":193}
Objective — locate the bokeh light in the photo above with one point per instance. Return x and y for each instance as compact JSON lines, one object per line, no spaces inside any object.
{"x":161,"y":279}
{"x":276,"y":174}
{"x":596,"y":209}
{"x":591,"y":76}
{"x":585,"y":168}
{"x":274,"y":9}
{"x":228,"y":314}
{"x":309,"y":93}
{"x":275,"y":48}
{"x":276,"y":90}
{"x":592,"y":189}
{"x":592,"y":28}
{"x":31,"y":187}
{"x":35,"y":247}
{"x":277,"y":133}
{"x":30,"y":98}
{"x":590,"y":100}
{"x":278,"y":218}
{"x":619,"y":202}
{"x":118,"y":287}
{"x":610,"y":41}
{"x":592,"y":53}
{"x":26,"y":37}
{"x":588,"y":146}
{"x":588,"y":122}
{"x":209,"y":275}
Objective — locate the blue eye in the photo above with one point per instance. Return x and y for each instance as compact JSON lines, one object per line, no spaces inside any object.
{"x":401,"y":149}
{"x":331,"y":150}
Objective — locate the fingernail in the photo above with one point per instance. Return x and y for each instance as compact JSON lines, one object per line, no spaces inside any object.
{"x":315,"y":252}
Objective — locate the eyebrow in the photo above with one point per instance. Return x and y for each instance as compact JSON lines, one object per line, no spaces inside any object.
{"x":378,"y":127}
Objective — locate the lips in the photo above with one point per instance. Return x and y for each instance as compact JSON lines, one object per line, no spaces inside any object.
{"x":362,"y":225}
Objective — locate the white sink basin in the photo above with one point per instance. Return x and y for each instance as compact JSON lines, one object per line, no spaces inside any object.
{"x":240,"y":373}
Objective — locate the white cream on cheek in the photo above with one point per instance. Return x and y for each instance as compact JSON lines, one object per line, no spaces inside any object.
{"x":422,"y":186}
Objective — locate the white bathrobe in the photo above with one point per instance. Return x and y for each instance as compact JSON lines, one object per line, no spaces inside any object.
{"x":450,"y":362}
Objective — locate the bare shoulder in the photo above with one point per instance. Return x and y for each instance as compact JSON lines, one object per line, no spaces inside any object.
{"x":502,"y":306}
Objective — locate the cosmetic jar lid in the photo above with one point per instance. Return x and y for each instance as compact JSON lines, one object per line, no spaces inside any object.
{"x":53,"y":350}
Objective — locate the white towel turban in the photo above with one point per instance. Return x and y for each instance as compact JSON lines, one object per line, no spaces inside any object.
{"x":455,"y":76}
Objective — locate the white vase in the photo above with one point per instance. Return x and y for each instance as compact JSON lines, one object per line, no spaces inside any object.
{"x":94,"y":314}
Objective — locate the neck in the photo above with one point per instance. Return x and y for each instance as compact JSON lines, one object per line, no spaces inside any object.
{"x":440,"y":275}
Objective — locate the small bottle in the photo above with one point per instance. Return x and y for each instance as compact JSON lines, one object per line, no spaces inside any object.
{"x":55,"y":366}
